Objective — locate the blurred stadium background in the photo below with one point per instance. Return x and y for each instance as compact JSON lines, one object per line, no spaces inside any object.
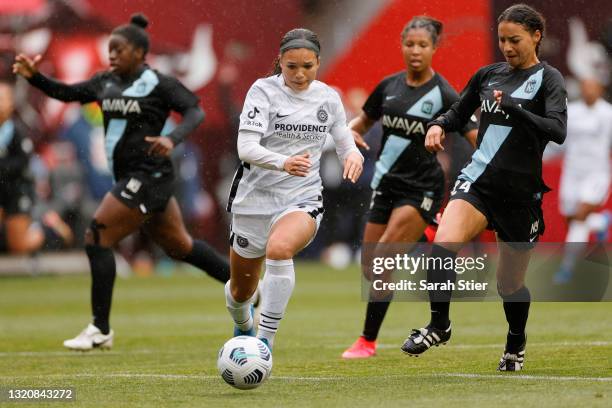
{"x":218,"y":49}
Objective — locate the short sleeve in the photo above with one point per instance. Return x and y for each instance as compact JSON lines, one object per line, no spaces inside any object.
{"x":256,"y":110}
{"x":373,"y":106}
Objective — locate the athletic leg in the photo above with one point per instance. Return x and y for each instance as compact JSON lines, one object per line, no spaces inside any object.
{"x":168,"y":231}
{"x":460,"y":223}
{"x":288,"y":235}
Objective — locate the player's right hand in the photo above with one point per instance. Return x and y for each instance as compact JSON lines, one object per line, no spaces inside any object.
{"x":434,"y":138}
{"x":359,"y":140}
{"x":298,"y":165}
{"x":25,"y":66}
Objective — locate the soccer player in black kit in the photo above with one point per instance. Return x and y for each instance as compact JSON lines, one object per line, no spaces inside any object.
{"x":523,"y":106}
{"x":408,"y":182}
{"x":136,"y":101}
{"x":18,"y":234}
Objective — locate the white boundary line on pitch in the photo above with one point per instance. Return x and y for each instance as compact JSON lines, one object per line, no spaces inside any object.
{"x":505,"y":376}
{"x":478,"y":346}
{"x":80,"y":353}
{"x":337,"y":346}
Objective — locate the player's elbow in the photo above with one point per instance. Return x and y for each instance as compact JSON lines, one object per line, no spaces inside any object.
{"x":558,"y":134}
{"x":243,"y":152}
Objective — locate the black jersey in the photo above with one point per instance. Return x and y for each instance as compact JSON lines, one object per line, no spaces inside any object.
{"x":15,"y":151}
{"x":507,"y":165}
{"x":402,"y":160}
{"x":132,"y":108}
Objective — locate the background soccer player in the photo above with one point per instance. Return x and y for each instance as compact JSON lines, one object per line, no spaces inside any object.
{"x":408,"y":182}
{"x":585,"y":178}
{"x":275,"y":200}
{"x":523,"y":106}
{"x":18,"y":235}
{"x":135,"y":101}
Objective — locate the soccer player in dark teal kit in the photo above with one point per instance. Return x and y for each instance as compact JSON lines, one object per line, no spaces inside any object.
{"x":523,"y":106}
{"x":136,"y":101}
{"x":408,"y":182}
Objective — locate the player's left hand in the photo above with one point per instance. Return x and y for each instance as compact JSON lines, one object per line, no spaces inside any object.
{"x":353,"y":166}
{"x":160,"y":145}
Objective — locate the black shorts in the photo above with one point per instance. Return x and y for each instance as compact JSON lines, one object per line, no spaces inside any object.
{"x":521,"y":222}
{"x":17,"y":197}
{"x":383,"y":202}
{"x":149,"y":193}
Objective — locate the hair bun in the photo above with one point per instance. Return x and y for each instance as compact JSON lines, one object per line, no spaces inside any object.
{"x":139,"y":20}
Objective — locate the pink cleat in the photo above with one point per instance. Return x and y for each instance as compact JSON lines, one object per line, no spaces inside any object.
{"x":362,"y":348}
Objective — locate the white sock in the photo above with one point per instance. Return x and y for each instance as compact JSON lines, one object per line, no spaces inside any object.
{"x":240,"y":311}
{"x":597,"y":221}
{"x":278,"y":284}
{"x":578,"y":231}
{"x":575,"y":242}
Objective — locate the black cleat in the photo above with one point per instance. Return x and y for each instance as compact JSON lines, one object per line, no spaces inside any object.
{"x":422,"y":339}
{"x":513,"y":358}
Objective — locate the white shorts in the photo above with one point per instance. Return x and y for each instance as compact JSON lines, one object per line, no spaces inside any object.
{"x":249,"y":233}
{"x":579,"y":188}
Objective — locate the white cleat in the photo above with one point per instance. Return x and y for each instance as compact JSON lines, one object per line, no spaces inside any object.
{"x":90,"y":338}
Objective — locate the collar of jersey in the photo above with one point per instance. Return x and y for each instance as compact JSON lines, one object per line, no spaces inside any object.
{"x":534,"y":67}
{"x":136,"y":75}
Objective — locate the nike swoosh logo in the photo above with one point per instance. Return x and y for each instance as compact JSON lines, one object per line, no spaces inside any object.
{"x":533,"y":239}
{"x":278,"y":115}
{"x":493,"y":83}
{"x":125,"y":195}
{"x":388,"y":98}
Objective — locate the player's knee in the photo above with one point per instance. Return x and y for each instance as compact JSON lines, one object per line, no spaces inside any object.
{"x":279,"y":250}
{"x":92,"y":234}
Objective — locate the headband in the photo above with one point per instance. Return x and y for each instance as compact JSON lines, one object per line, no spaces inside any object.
{"x":300,"y":43}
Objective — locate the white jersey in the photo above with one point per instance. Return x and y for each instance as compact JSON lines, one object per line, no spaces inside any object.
{"x":589,"y":138}
{"x":291,"y":123}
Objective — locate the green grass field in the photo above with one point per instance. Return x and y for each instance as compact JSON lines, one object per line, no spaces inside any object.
{"x":169,"y":329}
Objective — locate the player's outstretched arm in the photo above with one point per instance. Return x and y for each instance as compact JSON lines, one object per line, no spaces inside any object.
{"x":27,"y":67}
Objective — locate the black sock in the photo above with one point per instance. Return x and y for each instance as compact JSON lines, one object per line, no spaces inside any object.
{"x":375,"y":314}
{"x":516,"y":307}
{"x":204,"y":257}
{"x":437,"y":273}
{"x":103,"y":271}
{"x":53,"y":241}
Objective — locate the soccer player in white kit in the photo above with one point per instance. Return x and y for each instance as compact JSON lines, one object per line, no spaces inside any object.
{"x":275,"y":199}
{"x":585,"y":179}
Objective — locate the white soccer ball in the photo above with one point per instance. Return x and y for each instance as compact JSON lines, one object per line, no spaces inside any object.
{"x":244,"y":362}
